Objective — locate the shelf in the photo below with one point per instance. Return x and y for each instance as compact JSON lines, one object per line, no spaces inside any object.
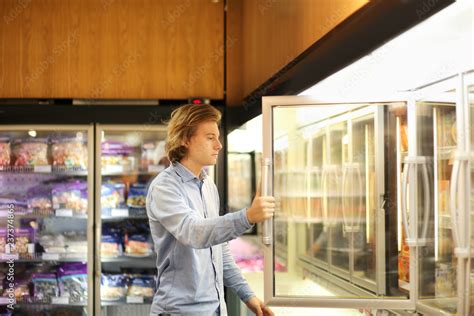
{"x":37,"y":213}
{"x":46,"y":169}
{"x":55,"y":301}
{"x":43,"y":257}
{"x":128,"y":300}
{"x":129,"y":259}
{"x":117,"y":214}
{"x":121,"y":171}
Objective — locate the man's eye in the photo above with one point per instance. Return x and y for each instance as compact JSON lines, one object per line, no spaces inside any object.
{"x":210,"y":138}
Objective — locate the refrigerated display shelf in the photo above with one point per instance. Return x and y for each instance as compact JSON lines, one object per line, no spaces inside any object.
{"x":136,"y":300}
{"x":43,"y":257}
{"x":129,"y":259}
{"x":55,"y":301}
{"x":59,"y":213}
{"x":124,"y":213}
{"x":58,"y":170}
{"x":129,"y":173}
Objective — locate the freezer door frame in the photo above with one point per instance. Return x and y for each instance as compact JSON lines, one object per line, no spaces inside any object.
{"x":90,"y":192}
{"x":100,"y":128}
{"x":268,"y":103}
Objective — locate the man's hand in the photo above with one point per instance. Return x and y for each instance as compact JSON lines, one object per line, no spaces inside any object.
{"x":257,"y":306}
{"x":262,"y":208}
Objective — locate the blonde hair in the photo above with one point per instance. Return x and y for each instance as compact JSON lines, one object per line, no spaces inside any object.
{"x":183,"y":125}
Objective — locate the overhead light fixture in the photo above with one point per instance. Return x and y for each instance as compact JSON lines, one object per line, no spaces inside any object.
{"x":32,"y":133}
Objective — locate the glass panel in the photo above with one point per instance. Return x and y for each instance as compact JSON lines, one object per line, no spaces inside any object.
{"x":327,"y":214}
{"x":437,"y":140}
{"x":361,"y":196}
{"x":130,"y":159}
{"x":470,"y":89}
{"x":44,"y":211}
{"x":240,"y":179}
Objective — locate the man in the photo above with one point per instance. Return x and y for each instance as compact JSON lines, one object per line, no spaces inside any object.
{"x":194,"y":262}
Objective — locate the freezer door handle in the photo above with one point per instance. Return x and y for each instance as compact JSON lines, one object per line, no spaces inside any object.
{"x":459,"y":236}
{"x":267,"y":225}
{"x":406,"y":171}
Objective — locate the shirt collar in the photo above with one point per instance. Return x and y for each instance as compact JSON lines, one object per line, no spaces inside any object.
{"x":185,"y":174}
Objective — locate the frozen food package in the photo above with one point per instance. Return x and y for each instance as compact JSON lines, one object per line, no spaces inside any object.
{"x":111,"y":242}
{"x":153,"y":153}
{"x":70,"y":195}
{"x":137,"y":195}
{"x":45,"y":286}
{"x":30,"y":152}
{"x":13,"y":204}
{"x":3,"y":239}
{"x":5,"y":151}
{"x":141,"y":285}
{"x":22,"y":288}
{"x":69,"y":152}
{"x":113,"y":287}
{"x":115,"y":154}
{"x":76,"y":242}
{"x":23,"y":236}
{"x":112,"y":195}
{"x":138,"y":244}
{"x":39,"y":198}
{"x":72,"y":280}
{"x":53,"y":243}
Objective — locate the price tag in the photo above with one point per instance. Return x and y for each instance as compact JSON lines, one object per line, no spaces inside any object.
{"x":6,"y":301}
{"x":51,"y":256}
{"x":119,"y":212}
{"x":155,"y":168}
{"x":60,"y":300}
{"x":113,"y":169}
{"x":43,"y":169}
{"x":9,"y":256}
{"x":64,"y":212}
{"x":135,"y":299}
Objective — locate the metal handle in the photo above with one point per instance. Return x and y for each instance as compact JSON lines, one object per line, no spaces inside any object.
{"x":346,"y":226}
{"x":267,"y":225}
{"x":427,"y":203}
{"x":356,"y":226}
{"x":406,"y":171}
{"x":452,"y":204}
{"x":325,"y":206}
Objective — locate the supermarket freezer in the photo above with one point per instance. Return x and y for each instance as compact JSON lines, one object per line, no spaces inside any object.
{"x":374,"y":201}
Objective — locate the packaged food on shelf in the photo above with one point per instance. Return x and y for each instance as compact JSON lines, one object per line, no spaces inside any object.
{"x":30,"y":152}
{"x":137,"y":239}
{"x":137,"y":195}
{"x":53,"y":243}
{"x":5,"y":151}
{"x":13,"y":204}
{"x":112,"y":195}
{"x":138,"y":244}
{"x":111,"y":242}
{"x":45,"y":286}
{"x":21,"y":288}
{"x":69,"y":152}
{"x":153,"y":153}
{"x":72,"y":280}
{"x":39,"y":198}
{"x":22,"y":236}
{"x":141,"y":285}
{"x":113,"y":287}
{"x":70,"y":195}
{"x":117,"y":154}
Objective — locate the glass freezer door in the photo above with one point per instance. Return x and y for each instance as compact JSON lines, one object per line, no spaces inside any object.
{"x":345,"y":252}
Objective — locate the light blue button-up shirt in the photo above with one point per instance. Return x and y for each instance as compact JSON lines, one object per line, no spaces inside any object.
{"x":193,"y":259}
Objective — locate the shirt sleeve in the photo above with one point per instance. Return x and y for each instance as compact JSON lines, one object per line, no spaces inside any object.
{"x":168,"y":206}
{"x":233,"y":277}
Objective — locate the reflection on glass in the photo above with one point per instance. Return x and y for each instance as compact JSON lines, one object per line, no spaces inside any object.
{"x":325,"y":180}
{"x":239,"y":175}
